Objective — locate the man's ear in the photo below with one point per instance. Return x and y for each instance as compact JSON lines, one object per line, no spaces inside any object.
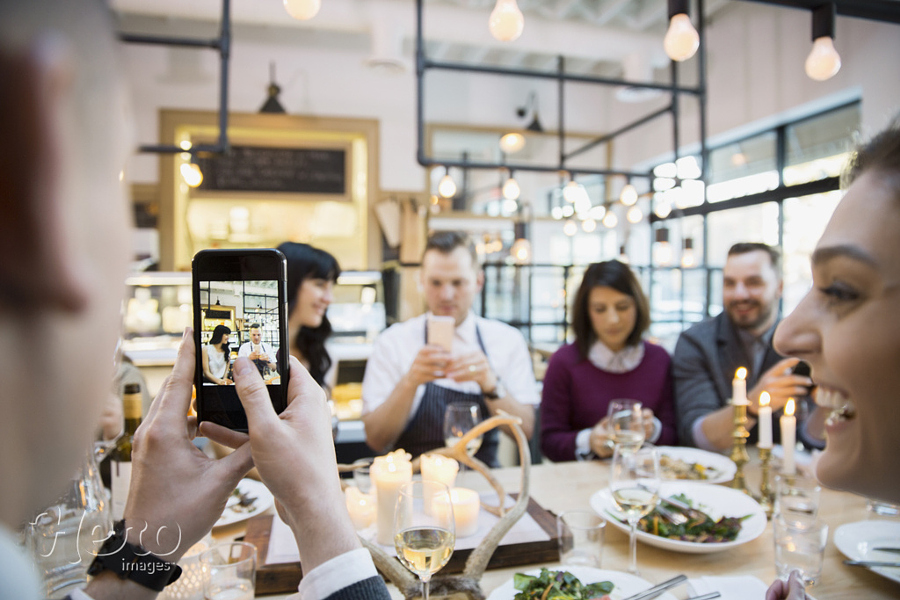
{"x":35,"y":270}
{"x":479,"y":279}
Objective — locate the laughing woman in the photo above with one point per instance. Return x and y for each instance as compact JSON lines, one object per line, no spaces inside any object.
{"x":608,"y":360}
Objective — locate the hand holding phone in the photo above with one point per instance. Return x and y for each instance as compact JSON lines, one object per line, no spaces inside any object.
{"x":440,"y":331}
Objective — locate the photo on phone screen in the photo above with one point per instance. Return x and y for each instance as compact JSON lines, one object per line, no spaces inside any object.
{"x":239,"y":311}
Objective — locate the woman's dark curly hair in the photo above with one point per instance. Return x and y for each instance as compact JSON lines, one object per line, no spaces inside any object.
{"x":306,"y":262}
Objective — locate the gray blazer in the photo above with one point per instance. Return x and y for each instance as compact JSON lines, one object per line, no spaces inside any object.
{"x":703,"y":365}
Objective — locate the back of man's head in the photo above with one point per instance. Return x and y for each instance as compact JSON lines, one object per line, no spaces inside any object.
{"x":746,"y":247}
{"x":446,"y":242}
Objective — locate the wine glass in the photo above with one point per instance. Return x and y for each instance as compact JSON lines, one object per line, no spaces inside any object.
{"x":625,"y":423}
{"x":634,"y":484}
{"x":424,"y":529}
{"x":459,"y":418}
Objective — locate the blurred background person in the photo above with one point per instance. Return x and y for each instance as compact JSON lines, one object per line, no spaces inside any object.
{"x":608,"y":360}
{"x":216,"y":356}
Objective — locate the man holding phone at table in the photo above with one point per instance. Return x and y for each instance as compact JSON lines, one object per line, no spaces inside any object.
{"x":708,"y":354}
{"x":63,"y":260}
{"x":410,"y":380}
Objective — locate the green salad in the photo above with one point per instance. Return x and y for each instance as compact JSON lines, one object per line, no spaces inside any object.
{"x":561,"y":585}
{"x":700,"y":527}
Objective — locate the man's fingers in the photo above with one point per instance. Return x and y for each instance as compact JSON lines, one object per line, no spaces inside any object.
{"x":302,"y":385}
{"x":175,"y":396}
{"x":237,"y":464}
{"x":223,"y":435}
{"x":252,"y":392}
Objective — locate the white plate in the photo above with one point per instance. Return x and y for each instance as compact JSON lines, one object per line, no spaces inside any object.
{"x":722,"y":467}
{"x":857,"y":541}
{"x":254,"y":489}
{"x":714,"y":500}
{"x":625,"y":583}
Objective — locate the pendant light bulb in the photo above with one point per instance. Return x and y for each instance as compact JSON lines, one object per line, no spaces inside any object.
{"x":589,"y":225}
{"x":634,"y":215}
{"x":521,"y":251}
{"x":629,"y":195}
{"x":447,"y":187}
{"x":823,"y":61}
{"x":663,"y":208}
{"x":571,"y":191}
{"x":570,"y":228}
{"x":682,"y":40}
{"x":506,"y":22}
{"x":192,"y":174}
{"x":512,"y":142}
{"x":302,"y":10}
{"x":511,"y":189}
{"x":610,"y":220}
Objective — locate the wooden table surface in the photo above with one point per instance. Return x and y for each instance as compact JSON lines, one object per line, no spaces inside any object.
{"x":565,"y":486}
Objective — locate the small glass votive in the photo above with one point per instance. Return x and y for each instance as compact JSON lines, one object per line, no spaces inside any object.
{"x":882,"y":509}
{"x":580,"y":538}
{"x":190,"y":585}
{"x":361,"y":477}
{"x":229,"y":571}
{"x":800,"y":547}
{"x":797,"y":499}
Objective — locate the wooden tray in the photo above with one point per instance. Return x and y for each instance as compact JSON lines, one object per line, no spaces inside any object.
{"x":284,"y":578}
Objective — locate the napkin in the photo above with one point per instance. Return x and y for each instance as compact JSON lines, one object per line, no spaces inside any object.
{"x":745,"y":587}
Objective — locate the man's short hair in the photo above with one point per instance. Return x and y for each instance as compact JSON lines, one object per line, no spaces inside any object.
{"x":746,"y":247}
{"x":446,"y":242}
{"x":254,"y":326}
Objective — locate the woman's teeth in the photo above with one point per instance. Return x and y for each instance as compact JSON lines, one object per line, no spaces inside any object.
{"x":842,"y":408}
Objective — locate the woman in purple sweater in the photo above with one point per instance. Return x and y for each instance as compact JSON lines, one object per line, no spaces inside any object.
{"x":608,"y":360}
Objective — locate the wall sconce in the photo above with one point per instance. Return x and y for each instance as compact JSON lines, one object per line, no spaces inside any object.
{"x":823,"y":61}
{"x":629,"y":195}
{"x":302,"y":10}
{"x":682,"y":40}
{"x":512,"y":142}
{"x":662,"y":249}
{"x":506,"y":22}
{"x":687,"y":253}
{"x":447,"y":187}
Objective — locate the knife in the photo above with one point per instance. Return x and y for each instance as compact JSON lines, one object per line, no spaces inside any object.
{"x":894,"y":550}
{"x":656,"y":590}
{"x":871,"y":563}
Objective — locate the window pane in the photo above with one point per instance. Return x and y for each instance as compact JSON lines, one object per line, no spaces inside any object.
{"x":819,"y":147}
{"x":757,"y":223}
{"x":743,"y":168}
{"x":804,"y":221}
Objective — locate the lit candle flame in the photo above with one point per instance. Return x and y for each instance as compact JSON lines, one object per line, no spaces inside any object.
{"x":789,"y":407}
{"x":764,"y":399}
{"x":741,"y":373}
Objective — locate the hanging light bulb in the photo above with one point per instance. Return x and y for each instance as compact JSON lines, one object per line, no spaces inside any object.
{"x":567,"y":211}
{"x":597,"y":212}
{"x":570,"y":228}
{"x":512,"y":142}
{"x":506,"y":22}
{"x":682,"y":40}
{"x":662,"y":207}
{"x":610,"y":220}
{"x":589,"y":225}
{"x":447,"y":187}
{"x":511,"y":188}
{"x":662,"y":250}
{"x":556,"y":212}
{"x":521,"y":251}
{"x":628,"y":195}
{"x":302,"y":10}
{"x":823,"y":61}
{"x":623,"y":255}
{"x":634,"y":215}
{"x":192,"y":174}
{"x":571,"y":191}
{"x":687,"y":253}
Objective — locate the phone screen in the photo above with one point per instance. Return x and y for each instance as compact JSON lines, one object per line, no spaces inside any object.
{"x":239,"y":311}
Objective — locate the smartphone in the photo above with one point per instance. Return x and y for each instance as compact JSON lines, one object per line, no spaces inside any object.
{"x":440,"y":331}
{"x":240,"y":309}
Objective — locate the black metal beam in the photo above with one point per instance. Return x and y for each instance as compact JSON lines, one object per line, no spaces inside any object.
{"x":624,"y":129}
{"x":887,"y":11}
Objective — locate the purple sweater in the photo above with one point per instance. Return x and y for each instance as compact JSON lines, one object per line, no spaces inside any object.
{"x":577,"y":393}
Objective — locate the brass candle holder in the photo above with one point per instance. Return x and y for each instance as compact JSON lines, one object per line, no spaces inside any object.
{"x":739,"y":454}
{"x":766,"y":495}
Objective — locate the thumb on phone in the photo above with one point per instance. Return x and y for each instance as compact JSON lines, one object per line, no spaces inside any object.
{"x":252,"y":392}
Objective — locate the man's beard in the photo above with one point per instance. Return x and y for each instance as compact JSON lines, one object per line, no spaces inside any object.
{"x":765,"y":312}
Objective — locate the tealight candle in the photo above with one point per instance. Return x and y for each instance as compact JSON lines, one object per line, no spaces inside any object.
{"x":361,"y":507}
{"x":788,"y":438}
{"x":739,"y":387}
{"x":466,"y":507}
{"x":388,"y":474}
{"x":439,"y":468}
{"x":765,"y":421}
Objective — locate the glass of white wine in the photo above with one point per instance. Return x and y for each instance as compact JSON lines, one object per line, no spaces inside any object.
{"x":459,"y":418}
{"x":424,"y":537}
{"x":625,"y":422}
{"x":634,"y":484}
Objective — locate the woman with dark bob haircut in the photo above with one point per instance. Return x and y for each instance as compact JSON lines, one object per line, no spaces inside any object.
{"x":607,"y":361}
{"x":311,"y":275}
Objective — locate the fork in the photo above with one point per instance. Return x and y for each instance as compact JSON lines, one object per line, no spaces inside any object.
{"x":672,"y":517}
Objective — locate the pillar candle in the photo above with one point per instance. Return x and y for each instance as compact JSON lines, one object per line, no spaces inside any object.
{"x":788,"y":438}
{"x":388,"y":474}
{"x":439,"y":468}
{"x":739,"y":387}
{"x":466,"y":506}
{"x":765,"y":421}
{"x":361,"y":507}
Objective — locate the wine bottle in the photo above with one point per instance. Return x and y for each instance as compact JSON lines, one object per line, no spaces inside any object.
{"x":120,"y":458}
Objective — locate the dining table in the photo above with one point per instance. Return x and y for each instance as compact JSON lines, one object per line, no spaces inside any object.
{"x":563,"y":486}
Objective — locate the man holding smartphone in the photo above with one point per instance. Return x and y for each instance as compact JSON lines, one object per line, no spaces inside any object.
{"x":410,"y":380}
{"x":262,"y":354}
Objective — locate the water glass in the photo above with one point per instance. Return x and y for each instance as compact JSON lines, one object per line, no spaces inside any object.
{"x":580,"y":538}
{"x":882,"y":509}
{"x":800,"y":547}
{"x":361,"y":476}
{"x":797,"y":499}
{"x":229,"y":571}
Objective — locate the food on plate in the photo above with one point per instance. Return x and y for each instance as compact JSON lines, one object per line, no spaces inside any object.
{"x":699,"y":528}
{"x":240,"y":502}
{"x":561,"y":585}
{"x":677,"y":468}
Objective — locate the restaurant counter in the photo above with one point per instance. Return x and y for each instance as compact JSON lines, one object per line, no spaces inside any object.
{"x":565,"y":486}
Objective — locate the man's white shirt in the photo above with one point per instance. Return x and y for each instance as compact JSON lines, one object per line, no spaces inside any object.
{"x":247,"y":347}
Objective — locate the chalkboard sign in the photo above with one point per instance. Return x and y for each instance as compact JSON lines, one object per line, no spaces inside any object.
{"x":267,"y":169}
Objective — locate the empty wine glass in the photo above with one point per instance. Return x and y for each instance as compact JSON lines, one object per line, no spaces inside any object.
{"x":459,"y":418}
{"x":625,"y":422}
{"x":634,"y":485}
{"x":424,"y":528}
